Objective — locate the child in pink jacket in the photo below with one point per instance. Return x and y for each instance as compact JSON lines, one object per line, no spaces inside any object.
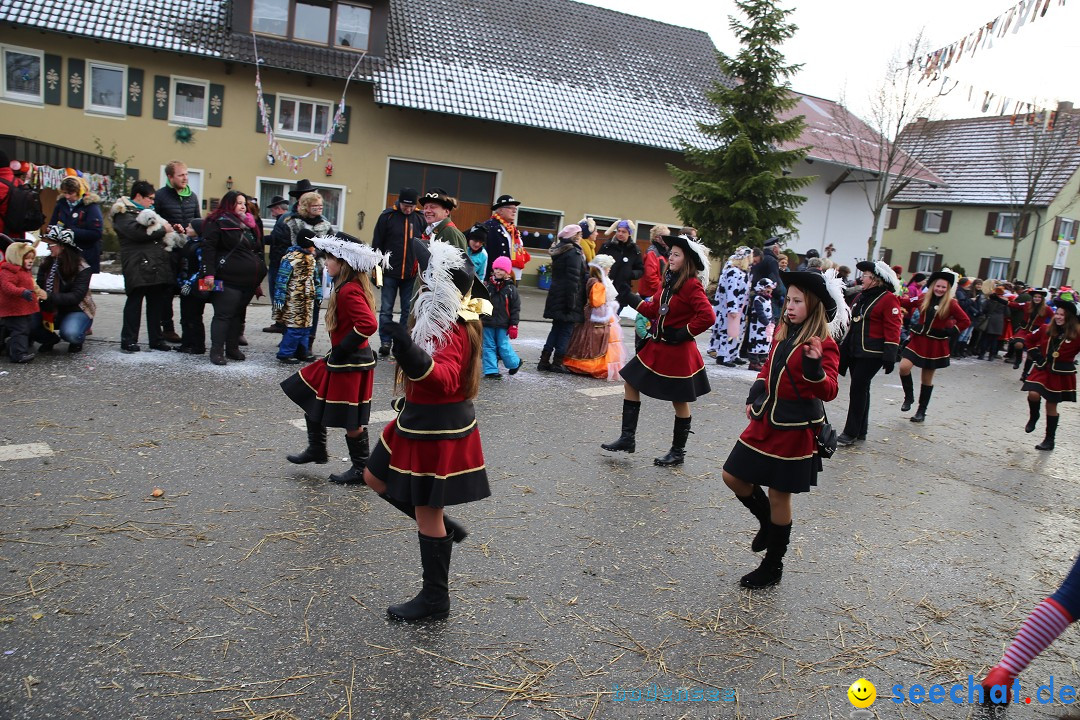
{"x":19,"y":298}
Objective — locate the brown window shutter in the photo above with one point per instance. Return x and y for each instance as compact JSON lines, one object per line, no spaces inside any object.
{"x":887,"y":256}
{"x":1047,"y":274}
{"x":1057,"y":229}
{"x":938,"y":261}
{"x":920,"y":220}
{"x":945,"y":216}
{"x":1024,"y":225}
{"x":984,"y":267}
{"x":913,"y":263}
{"x":894,"y":218}
{"x":991,"y":223}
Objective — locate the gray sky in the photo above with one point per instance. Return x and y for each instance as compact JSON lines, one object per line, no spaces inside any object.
{"x":847,"y":44}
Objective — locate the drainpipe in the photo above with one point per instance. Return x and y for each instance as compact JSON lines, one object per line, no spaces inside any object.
{"x":1034,"y":243}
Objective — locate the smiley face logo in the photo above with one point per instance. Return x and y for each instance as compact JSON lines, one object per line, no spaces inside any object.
{"x":862,"y":693}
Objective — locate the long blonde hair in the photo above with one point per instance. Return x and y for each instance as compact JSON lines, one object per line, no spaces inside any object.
{"x":346,"y":275}
{"x":944,"y":305}
{"x":470,"y":371}
{"x":815,"y":325}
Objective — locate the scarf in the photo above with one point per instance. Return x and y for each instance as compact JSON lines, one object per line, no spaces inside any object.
{"x":186,"y":192}
{"x":515,"y":235}
{"x":50,"y":281}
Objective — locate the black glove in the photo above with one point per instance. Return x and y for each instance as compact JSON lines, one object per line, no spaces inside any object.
{"x":1035,"y":355}
{"x":888,"y":367}
{"x":954,"y":332}
{"x":340,"y":353}
{"x":410,"y":357}
{"x":27,"y":295}
{"x":676,"y":335}
{"x":626,"y":297}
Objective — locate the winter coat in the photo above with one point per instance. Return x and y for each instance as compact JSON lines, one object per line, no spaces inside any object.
{"x":296,"y":222}
{"x":569,"y":275}
{"x":7,"y":174}
{"x":875,"y":326}
{"x":995,"y":311}
{"x":190,"y":263}
{"x":506,"y":304}
{"x":68,"y":295}
{"x":17,"y":297}
{"x":232,"y":253}
{"x":394,"y":231}
{"x":499,"y":243}
{"x":175,"y":209}
{"x":767,"y":267}
{"x":297,"y":289}
{"x":84,"y":218}
{"x":446,"y":231}
{"x":655,"y":267}
{"x":479,"y":261}
{"x":144,"y":259}
{"x":628,"y":264}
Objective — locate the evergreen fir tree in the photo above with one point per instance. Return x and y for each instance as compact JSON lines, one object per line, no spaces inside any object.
{"x":736,"y":190}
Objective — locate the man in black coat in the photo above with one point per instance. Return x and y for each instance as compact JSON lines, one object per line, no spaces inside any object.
{"x":565,"y":304}
{"x":628,"y":264}
{"x":178,"y":204}
{"x":394,"y":233}
{"x":501,"y":230}
{"x":769,"y":267}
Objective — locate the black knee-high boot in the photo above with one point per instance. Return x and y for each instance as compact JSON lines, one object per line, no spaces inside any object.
{"x":315,"y":452}
{"x":909,"y":392}
{"x":1033,"y":415}
{"x":627,"y":440}
{"x":772,"y":566}
{"x":433,"y":601}
{"x":358,"y":454}
{"x":1051,"y":432}
{"x":1028,"y":362}
{"x":677,"y":454}
{"x":453,"y":528}
{"x":925,"y":391}
{"x":545,"y":360}
{"x":758,"y":504}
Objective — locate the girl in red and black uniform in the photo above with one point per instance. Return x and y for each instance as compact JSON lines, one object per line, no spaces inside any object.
{"x":1036,"y":314}
{"x":335,"y":391}
{"x":786,"y":408}
{"x":669,"y":366}
{"x":872,"y":342}
{"x":1053,"y":378}
{"x":940,"y":318}
{"x":430,"y":456}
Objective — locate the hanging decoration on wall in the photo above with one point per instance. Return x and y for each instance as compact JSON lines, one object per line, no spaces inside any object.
{"x":270,"y":160}
{"x":329,"y":166}
{"x":295,"y":162}
{"x":42,"y":177}
{"x":184,"y":135}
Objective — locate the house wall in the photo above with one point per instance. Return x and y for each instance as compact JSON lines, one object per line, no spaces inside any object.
{"x":842,"y":218}
{"x":967,"y":244}
{"x":546,"y":170}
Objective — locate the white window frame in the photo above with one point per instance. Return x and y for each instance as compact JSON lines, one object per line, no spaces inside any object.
{"x":998,"y":262}
{"x":91,"y":107}
{"x":173,"y":117}
{"x":601,"y":227}
{"x":196,"y":181}
{"x":21,"y":97}
{"x":288,"y":19}
{"x":1056,"y":274}
{"x":288,"y":183}
{"x":294,"y":134}
{"x":559,"y":223}
{"x":999,"y":232}
{"x":333,"y":29}
{"x":1067,"y":230}
{"x":929,"y":227}
{"x":926,"y":262}
{"x":674,"y":228}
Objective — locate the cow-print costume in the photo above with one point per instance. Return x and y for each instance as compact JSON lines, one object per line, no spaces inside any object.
{"x":732,"y":291}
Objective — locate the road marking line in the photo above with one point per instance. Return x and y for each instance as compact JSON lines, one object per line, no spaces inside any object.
{"x":382,"y":416}
{"x":602,"y":391}
{"x":24,"y":452}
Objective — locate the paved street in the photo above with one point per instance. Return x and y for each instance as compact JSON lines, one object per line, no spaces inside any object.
{"x":252,"y":588}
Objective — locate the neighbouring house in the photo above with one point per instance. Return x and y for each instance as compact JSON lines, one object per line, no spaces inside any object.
{"x":1006,"y":179}
{"x":836,"y":219}
{"x":572,"y":109}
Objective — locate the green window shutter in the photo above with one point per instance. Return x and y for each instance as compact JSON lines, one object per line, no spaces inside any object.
{"x":341,"y":135}
{"x":135,"y":89}
{"x":76,"y":82}
{"x":160,"y":99}
{"x":217,"y":105}
{"x":54,"y":78}
{"x":271,"y":104}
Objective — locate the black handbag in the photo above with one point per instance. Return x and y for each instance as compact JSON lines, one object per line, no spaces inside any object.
{"x":826,"y":434}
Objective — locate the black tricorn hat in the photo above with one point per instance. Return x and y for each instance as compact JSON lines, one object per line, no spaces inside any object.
{"x":302,"y":187}
{"x":278,"y":200}
{"x":439,"y":197}
{"x":464,"y":278}
{"x":813,"y":283}
{"x":944,"y":274}
{"x":1038,"y":291}
{"x":683,"y":243}
{"x":503,"y":201}
{"x":477,"y":232}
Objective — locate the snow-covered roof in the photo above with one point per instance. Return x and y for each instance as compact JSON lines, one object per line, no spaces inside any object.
{"x":551,"y":64}
{"x":982,"y":160}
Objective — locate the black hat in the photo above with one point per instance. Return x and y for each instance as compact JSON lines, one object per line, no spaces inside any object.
{"x":477,"y":232}
{"x":439,"y":197}
{"x":407,"y":195}
{"x":918,"y":277}
{"x":683,"y":243}
{"x":302,"y":187}
{"x":277,"y":200}
{"x":816,"y":284}
{"x":60,"y":234}
{"x":505,"y":200}
{"x":197,"y":225}
{"x":944,"y":274}
{"x":1070,"y":308}
{"x":303,"y":238}
{"x":774,"y":240}
{"x":464,"y":278}
{"x":1038,"y":291}
{"x":812,"y":253}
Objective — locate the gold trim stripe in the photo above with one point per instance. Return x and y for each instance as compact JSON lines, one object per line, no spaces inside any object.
{"x":777,"y":457}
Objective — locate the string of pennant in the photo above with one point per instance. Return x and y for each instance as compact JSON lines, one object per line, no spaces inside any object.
{"x":1024,"y":12}
{"x":277,"y":153}
{"x":44,"y":177}
{"x":1029,"y":111}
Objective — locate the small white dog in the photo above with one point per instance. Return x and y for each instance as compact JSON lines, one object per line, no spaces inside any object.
{"x":154,"y":222}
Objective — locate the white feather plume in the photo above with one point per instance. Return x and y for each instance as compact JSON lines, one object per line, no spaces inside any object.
{"x":838,"y":325}
{"x":703,"y":254}
{"x":360,"y":257}
{"x":435,"y":309}
{"x":883,"y":271}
